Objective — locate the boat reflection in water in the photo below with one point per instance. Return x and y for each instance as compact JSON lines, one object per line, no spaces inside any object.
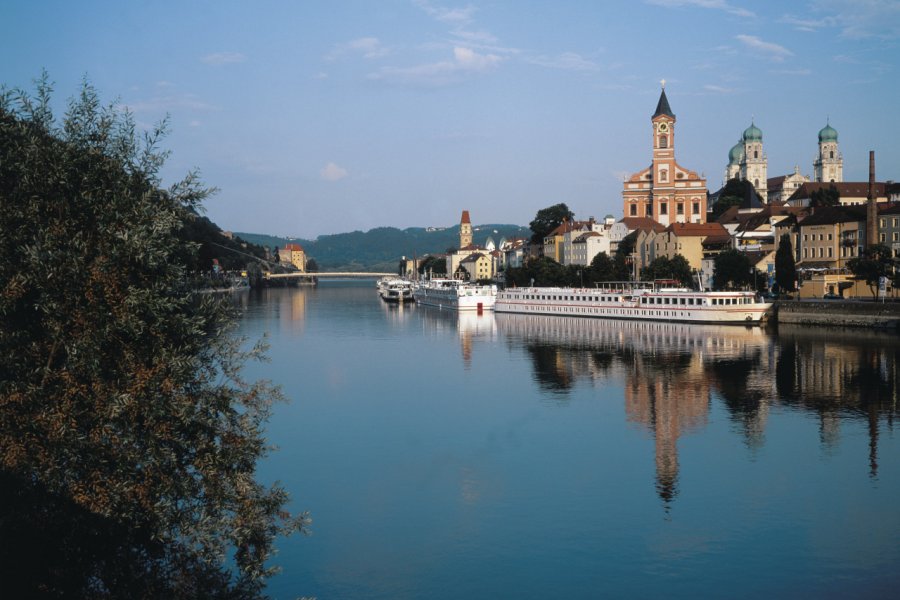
{"x":470,"y":327}
{"x":675,"y":374}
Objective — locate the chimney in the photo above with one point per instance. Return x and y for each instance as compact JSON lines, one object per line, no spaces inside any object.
{"x":871,"y":205}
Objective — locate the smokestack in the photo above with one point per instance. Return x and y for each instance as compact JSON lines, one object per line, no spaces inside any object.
{"x":871,"y":205}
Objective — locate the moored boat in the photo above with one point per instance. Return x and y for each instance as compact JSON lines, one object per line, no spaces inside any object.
{"x":637,"y":300}
{"x":395,"y":289}
{"x":455,"y":294}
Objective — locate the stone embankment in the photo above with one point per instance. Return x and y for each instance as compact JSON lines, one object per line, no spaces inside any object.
{"x":839,"y":313}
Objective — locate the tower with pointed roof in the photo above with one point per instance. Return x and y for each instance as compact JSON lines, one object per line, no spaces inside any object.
{"x":829,"y":164}
{"x":665,"y":191}
{"x":465,"y":230}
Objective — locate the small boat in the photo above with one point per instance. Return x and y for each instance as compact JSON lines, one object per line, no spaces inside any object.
{"x":636,"y":300}
{"x":455,"y":294}
{"x":395,"y":289}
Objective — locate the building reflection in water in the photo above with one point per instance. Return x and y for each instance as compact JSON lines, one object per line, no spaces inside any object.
{"x":673,"y":372}
{"x":470,"y":326}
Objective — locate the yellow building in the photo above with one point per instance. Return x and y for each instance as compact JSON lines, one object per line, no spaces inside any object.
{"x":293,"y":254}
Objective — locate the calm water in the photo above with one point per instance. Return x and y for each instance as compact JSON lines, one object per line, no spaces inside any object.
{"x":507,"y":456}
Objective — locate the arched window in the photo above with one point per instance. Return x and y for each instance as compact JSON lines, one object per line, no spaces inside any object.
{"x":832,"y":154}
{"x":756,"y":183}
{"x":756,"y":154}
{"x":663,"y":141}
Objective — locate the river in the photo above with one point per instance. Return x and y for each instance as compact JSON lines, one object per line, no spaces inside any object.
{"x":513,"y":456}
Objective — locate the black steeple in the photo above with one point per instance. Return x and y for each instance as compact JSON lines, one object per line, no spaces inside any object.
{"x":662,"y":107}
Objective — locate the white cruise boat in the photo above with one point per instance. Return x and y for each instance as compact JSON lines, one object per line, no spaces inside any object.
{"x":637,"y":300}
{"x":395,"y":289}
{"x":455,"y":294}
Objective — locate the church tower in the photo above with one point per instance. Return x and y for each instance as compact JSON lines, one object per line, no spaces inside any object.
{"x":829,"y":164}
{"x":465,"y":230}
{"x":755,"y":164}
{"x":665,"y":191}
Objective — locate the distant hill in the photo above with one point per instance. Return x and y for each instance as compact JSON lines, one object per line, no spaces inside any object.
{"x":380,"y":249}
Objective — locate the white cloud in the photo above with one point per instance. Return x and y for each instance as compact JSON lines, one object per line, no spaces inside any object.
{"x":223,"y":58}
{"x":367,"y":47}
{"x":712,"y":4}
{"x":332,"y":172}
{"x":773,"y":51}
{"x":855,"y":19}
{"x":569,"y":61}
{"x":445,"y":14}
{"x":718,"y":89}
{"x":465,"y":62}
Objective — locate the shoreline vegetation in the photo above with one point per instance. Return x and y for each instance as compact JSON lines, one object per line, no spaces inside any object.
{"x":129,"y":438}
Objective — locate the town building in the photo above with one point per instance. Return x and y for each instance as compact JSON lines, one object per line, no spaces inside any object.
{"x":782,"y":187}
{"x":851,"y":192}
{"x":829,"y":164}
{"x":748,"y":161}
{"x":293,"y":254}
{"x":665,"y":191}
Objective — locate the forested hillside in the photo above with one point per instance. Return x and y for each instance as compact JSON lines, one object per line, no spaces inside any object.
{"x":380,"y":249}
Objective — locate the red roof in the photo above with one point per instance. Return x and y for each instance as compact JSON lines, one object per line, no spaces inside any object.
{"x":293,"y":247}
{"x":635,"y":223}
{"x":465,"y":218}
{"x":697,"y":229}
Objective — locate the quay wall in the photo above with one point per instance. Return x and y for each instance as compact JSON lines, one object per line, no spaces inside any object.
{"x":838,"y":313}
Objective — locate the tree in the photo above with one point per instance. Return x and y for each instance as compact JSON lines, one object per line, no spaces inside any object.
{"x":602,"y":268}
{"x":874,"y":263}
{"x":433,"y":264}
{"x":785,"y":268}
{"x":125,"y":422}
{"x":623,"y":259}
{"x":663,"y":267}
{"x":312,"y":266}
{"x":823,"y":196}
{"x":732,"y":194}
{"x":732,"y":269}
{"x":548,"y":219}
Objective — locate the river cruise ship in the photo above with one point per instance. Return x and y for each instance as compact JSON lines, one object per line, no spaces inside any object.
{"x":637,"y":300}
{"x":395,"y":289}
{"x":455,"y":294}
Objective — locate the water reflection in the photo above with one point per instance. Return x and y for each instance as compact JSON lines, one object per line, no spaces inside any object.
{"x":672,"y":373}
{"x":470,"y":326}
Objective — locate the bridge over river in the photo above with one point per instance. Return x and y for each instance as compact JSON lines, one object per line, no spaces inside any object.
{"x":332,"y":275}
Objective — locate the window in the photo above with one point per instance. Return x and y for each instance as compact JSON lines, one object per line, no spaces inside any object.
{"x":680,"y":207}
{"x":895,"y":237}
{"x":696,"y":208}
{"x":663,"y":175}
{"x":756,"y":155}
{"x":882,"y":223}
{"x":830,"y":252}
{"x":663,"y":208}
{"x":881,"y":237}
{"x":830,"y":237}
{"x":663,"y":141}
{"x":633,"y":210}
{"x":831,"y":154}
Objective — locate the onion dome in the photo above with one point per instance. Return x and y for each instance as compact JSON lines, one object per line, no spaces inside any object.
{"x":752,"y":134}
{"x":736,"y":154}
{"x":828,"y":134}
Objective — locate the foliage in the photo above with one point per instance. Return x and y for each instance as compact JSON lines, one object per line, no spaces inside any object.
{"x":732,"y":270}
{"x":663,"y":267}
{"x":124,"y":419}
{"x":542,"y":272}
{"x":436,"y":265}
{"x":823,"y":196}
{"x":622,"y":260}
{"x":602,"y":268}
{"x":232,"y":254}
{"x":732,"y":194}
{"x":874,"y":263}
{"x":785,"y":268}
{"x":548,"y":219}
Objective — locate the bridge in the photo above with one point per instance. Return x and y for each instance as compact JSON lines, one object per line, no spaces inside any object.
{"x":350,"y":274}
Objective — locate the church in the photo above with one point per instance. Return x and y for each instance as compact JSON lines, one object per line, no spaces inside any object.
{"x":747,"y":161}
{"x":665,"y":191}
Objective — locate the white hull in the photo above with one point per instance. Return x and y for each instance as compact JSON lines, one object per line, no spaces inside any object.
{"x":456,"y":295}
{"x":738,"y":308}
{"x":393,"y":289}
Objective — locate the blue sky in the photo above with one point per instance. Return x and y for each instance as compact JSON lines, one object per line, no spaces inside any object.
{"x":328,"y":116}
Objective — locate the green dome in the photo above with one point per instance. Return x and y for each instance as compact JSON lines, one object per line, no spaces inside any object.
{"x":828,"y":134}
{"x":736,"y":154}
{"x":752,"y":134}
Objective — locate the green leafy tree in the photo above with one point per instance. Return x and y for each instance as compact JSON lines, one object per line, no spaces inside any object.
{"x":436,"y":265}
{"x":548,"y":219}
{"x":662,"y":267}
{"x":874,"y":263}
{"x":603,"y":268}
{"x":541,"y":272}
{"x":125,"y":422}
{"x":623,"y":258}
{"x":829,"y":196}
{"x":785,"y":267}
{"x":732,"y":194}
{"x":312,"y":266}
{"x":732,"y":270}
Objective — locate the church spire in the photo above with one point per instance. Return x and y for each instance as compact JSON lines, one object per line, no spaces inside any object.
{"x":662,"y":107}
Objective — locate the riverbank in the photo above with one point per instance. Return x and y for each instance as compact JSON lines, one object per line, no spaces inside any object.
{"x":838,"y":313}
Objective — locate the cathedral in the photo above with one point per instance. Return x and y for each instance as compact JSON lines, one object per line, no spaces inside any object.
{"x":747,"y":161}
{"x":665,"y":191}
